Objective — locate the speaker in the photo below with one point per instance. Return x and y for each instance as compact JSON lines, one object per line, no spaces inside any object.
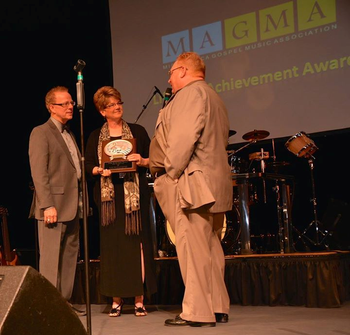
{"x":31,"y":305}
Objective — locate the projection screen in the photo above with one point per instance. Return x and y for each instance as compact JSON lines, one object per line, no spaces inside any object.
{"x":280,"y":66}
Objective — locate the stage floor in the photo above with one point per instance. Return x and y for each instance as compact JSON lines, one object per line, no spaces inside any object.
{"x":243,"y":320}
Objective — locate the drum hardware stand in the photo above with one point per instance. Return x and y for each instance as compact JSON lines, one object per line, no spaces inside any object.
{"x":286,"y":227}
{"x":306,"y":150}
{"x":233,"y":152}
{"x":260,"y":156}
{"x":262,"y":162}
{"x":284,"y":217}
{"x":320,"y":239}
{"x":278,"y":199}
{"x":299,"y":238}
{"x":273,"y":150}
{"x":279,"y":218}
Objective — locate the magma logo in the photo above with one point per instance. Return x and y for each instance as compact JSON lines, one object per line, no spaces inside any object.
{"x":262,"y":25}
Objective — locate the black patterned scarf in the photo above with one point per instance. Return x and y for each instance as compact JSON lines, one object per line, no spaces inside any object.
{"x":131,"y":190}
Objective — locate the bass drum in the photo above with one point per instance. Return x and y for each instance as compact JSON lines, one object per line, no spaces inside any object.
{"x":229,"y":235}
{"x":170,"y":233}
{"x":162,"y":246}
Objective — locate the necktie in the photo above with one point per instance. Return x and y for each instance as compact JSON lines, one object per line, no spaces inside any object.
{"x":65,"y":127}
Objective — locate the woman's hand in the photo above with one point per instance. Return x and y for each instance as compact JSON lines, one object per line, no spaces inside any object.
{"x":101,"y":171}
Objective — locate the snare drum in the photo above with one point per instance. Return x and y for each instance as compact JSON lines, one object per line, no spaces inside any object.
{"x":301,"y":145}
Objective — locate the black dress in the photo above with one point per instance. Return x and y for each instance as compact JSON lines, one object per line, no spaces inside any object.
{"x":120,"y":254}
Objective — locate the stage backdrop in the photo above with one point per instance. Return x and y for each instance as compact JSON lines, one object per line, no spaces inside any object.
{"x":279,"y":65}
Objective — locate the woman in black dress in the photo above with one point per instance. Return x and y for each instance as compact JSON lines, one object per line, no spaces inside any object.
{"x":123,"y":199}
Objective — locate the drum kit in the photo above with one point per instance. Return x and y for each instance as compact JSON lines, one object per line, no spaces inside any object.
{"x":236,"y":229}
{"x":300,"y":145}
{"x":235,"y":235}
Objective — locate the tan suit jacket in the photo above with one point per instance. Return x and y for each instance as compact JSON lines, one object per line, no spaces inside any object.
{"x":194,"y":147}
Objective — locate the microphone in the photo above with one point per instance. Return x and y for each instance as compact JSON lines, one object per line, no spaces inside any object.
{"x":167,"y":95}
{"x":158,"y":91}
{"x":79,"y":66}
{"x":80,"y":85}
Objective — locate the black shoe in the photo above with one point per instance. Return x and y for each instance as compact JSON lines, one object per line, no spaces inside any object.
{"x":178,"y":321}
{"x":221,"y":317}
{"x":77,"y":311}
{"x":140,"y":311}
{"x":117,"y":311}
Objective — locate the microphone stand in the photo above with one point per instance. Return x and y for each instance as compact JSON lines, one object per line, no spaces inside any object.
{"x":81,"y":105}
{"x":145,"y":106}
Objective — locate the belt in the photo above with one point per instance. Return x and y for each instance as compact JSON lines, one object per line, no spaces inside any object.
{"x":159,"y":173}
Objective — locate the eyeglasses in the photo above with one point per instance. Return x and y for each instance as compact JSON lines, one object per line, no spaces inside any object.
{"x":171,"y":71}
{"x":66,"y":104}
{"x":114,"y":104}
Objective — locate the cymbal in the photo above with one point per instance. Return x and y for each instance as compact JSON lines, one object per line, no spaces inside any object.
{"x":231,"y":133}
{"x":255,"y":135}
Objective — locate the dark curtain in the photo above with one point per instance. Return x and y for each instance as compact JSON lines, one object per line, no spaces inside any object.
{"x":310,"y":280}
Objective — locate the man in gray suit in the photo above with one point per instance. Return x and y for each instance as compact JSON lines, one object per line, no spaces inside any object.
{"x":193,"y":186}
{"x":55,"y":163}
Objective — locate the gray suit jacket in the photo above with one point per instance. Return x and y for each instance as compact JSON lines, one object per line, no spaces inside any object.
{"x":192,"y":131}
{"x":53,"y":172}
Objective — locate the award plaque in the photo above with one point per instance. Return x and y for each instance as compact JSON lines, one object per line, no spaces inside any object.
{"x":114,"y":155}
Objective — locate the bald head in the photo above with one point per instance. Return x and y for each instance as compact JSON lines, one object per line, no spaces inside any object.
{"x":193,"y":62}
{"x":188,"y":67}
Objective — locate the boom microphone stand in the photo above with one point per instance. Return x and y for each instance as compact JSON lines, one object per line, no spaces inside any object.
{"x":145,"y":106}
{"x":81,"y":105}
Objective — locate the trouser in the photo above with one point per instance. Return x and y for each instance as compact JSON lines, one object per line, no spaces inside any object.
{"x":202,"y":265}
{"x":58,"y":248}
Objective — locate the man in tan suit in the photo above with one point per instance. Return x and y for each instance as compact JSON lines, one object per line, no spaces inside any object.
{"x":193,"y":186}
{"x":55,"y":167}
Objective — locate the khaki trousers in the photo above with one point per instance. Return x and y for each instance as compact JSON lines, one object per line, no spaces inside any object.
{"x":200,"y":254}
{"x":202,"y":265}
